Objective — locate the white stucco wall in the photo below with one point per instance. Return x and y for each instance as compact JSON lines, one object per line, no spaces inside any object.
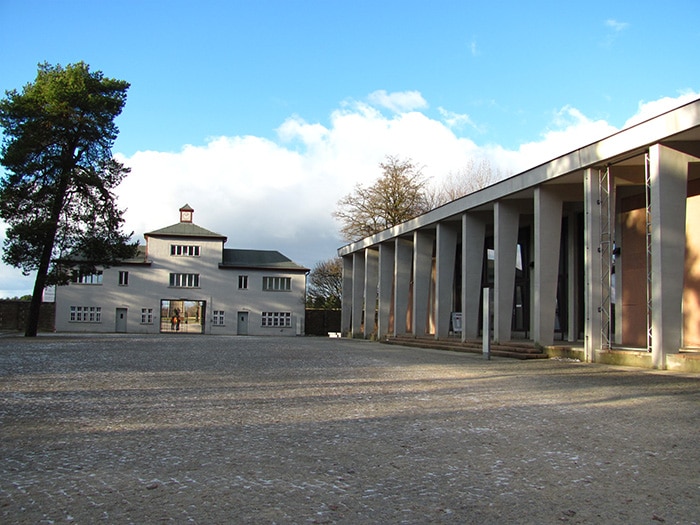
{"x":149,"y":284}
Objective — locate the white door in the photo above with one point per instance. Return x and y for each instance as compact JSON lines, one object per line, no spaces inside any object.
{"x":242,"y":323}
{"x":121,"y":320}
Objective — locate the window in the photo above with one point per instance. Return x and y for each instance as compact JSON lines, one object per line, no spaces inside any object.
{"x":184,"y":280}
{"x":87,"y":278}
{"x":277,"y":284}
{"x":242,"y":282}
{"x":146,"y":315}
{"x":123,"y":278}
{"x":218,"y":318}
{"x":184,"y":250}
{"x":277,"y":319}
{"x":86,"y":314}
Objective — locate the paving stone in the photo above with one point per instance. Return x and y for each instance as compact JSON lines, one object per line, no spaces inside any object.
{"x":218,"y":429}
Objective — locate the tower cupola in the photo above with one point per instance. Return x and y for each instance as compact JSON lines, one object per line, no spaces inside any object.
{"x":186,"y":213}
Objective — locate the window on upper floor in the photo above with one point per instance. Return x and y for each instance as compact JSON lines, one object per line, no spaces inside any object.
{"x":242,"y":282}
{"x":87,"y":278}
{"x":184,"y":250}
{"x":123,"y":278}
{"x":184,"y":280}
{"x":277,"y":284}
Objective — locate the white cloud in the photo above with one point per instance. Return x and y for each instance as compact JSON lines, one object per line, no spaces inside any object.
{"x":647,"y":110}
{"x":13,"y":283}
{"x":569,"y":129}
{"x":456,"y":120}
{"x":399,"y":101}
{"x":615,"y":25}
{"x":297,"y":128}
{"x":615,"y":28}
{"x":474,"y":48}
{"x":280,"y":194}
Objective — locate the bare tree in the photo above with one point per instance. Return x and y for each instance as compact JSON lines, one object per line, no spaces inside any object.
{"x":397,"y":196}
{"x":325,"y":284}
{"x":477,"y":174}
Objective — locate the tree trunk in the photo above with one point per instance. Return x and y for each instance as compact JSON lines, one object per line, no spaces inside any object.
{"x":39,"y":285}
{"x":43,"y":270}
{"x":35,"y":306}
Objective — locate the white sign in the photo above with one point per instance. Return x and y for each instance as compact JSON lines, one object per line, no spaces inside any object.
{"x":456,"y":322}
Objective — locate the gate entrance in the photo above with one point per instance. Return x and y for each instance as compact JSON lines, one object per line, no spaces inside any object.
{"x":184,"y":316}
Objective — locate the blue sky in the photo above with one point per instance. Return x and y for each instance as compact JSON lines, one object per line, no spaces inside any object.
{"x":262,"y":114}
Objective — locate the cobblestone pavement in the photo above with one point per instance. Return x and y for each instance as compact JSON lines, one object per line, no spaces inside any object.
{"x":215,"y":429}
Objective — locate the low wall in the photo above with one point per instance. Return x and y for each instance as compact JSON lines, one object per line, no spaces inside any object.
{"x":14,"y":315}
{"x":321,"y":322}
{"x":684,"y":361}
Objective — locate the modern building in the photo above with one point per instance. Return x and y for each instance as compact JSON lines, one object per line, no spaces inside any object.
{"x":599,"y":247}
{"x":184,"y":280}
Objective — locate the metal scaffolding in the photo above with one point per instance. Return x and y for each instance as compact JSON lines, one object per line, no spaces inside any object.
{"x":605,"y":249}
{"x":647,"y":203}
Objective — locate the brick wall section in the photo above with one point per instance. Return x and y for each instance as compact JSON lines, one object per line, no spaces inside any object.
{"x":14,"y":315}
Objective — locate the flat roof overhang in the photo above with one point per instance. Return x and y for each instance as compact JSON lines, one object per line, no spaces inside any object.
{"x":678,"y":128}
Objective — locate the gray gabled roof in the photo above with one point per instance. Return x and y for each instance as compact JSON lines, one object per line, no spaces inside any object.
{"x":185,"y":229}
{"x":76,"y":258}
{"x":139,"y":258}
{"x":263,"y":259}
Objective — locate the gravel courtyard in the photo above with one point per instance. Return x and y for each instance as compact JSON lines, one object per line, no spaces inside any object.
{"x":217,"y":430}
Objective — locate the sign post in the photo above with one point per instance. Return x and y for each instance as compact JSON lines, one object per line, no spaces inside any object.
{"x":486,"y":325}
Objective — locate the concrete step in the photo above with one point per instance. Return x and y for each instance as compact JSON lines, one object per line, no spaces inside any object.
{"x":514,"y":350}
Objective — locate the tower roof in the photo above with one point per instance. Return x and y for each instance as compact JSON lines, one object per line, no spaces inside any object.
{"x":185,"y":229}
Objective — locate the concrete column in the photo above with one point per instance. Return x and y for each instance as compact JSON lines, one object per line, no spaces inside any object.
{"x":358,"y":291}
{"x":387,"y":254}
{"x":505,"y":242}
{"x":446,"y":250}
{"x":403,"y":251}
{"x":548,"y":207}
{"x":370,"y":292}
{"x":473,"y":235}
{"x":669,"y":183}
{"x":346,"y":300}
{"x":593,"y":273}
{"x":422,"y":270}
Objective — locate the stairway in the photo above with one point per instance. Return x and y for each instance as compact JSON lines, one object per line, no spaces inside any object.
{"x":515,"y":350}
